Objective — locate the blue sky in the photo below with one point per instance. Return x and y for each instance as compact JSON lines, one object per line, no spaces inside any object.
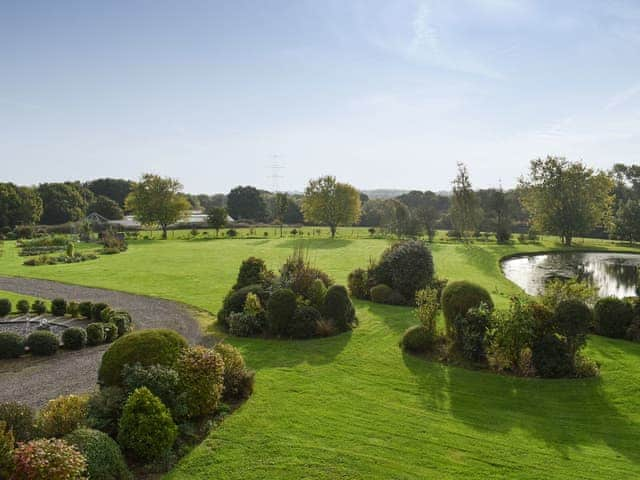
{"x":378,"y":93}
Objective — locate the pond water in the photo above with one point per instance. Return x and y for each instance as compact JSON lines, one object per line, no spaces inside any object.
{"x":615,"y":274}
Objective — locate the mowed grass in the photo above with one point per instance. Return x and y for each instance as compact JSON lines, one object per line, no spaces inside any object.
{"x":355,"y":407}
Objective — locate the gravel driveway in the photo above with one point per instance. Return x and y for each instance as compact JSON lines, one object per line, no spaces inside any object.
{"x":33,"y":381}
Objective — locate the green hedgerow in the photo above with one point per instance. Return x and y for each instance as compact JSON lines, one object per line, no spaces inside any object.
{"x":58,"y":307}
{"x":146,"y":430}
{"x":62,"y":415}
{"x":147,"y":347}
{"x":458,"y":297}
{"x":280,"y":311}
{"x":42,"y":343}
{"x":201,"y":373}
{"x":74,"y":338}
{"x":5,"y":307}
{"x":95,"y":333}
{"x":48,"y":459}
{"x":102,"y":454}
{"x":11,"y":345}
{"x":22,"y":306}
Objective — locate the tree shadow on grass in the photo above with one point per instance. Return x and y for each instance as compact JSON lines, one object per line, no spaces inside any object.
{"x":315,"y":244}
{"x":566,"y":414}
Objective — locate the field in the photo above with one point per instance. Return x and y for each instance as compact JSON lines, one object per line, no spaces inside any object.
{"x":355,"y":407}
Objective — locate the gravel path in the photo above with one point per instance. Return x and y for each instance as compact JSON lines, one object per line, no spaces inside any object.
{"x":35,"y":380}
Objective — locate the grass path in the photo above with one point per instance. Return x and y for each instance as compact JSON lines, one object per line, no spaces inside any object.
{"x":355,"y":407}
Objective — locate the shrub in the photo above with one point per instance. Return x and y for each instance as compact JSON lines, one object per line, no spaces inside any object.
{"x":95,"y":333}
{"x":244,"y":325}
{"x":253,"y":271}
{"x":338,"y":308}
{"x":252,"y":305}
{"x":74,"y":338}
{"x":201,"y":374}
{"x":417,"y":339}
{"x":22,"y":306}
{"x":147,"y":347}
{"x":110,"y":332}
{"x":572,"y":320}
{"x":102,"y":454}
{"x":59,"y":307}
{"x":551,"y":357}
{"x":235,"y":300}
{"x":358,"y":283}
{"x":11,"y":345}
{"x":406,"y":267}
{"x":5,"y":307}
{"x":104,"y":409}
{"x":427,"y":306}
{"x":298,"y":274}
{"x":73,"y":309}
{"x":48,"y":459}
{"x":42,"y":343}
{"x":613,"y":317}
{"x":7,"y":443}
{"x":633,"y":332}
{"x":558,"y":290}
{"x":20,"y":419}
{"x":511,"y":332}
{"x":305,"y":321}
{"x":458,"y":297}
{"x":106,"y":314}
{"x":62,"y":415}
{"x":280,"y":311}
{"x":122,"y":321}
{"x":160,"y":380}
{"x":85,"y":309}
{"x":470,"y":331}
{"x":585,"y":367}
{"x":38,"y":307}
{"x":396,"y":298}
{"x":381,"y":293}
{"x":317,"y":293}
{"x":238,"y":382}
{"x":96,"y":311}
{"x":146,"y":430}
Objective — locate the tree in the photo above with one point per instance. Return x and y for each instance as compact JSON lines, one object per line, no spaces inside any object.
{"x":627,"y":221}
{"x":427,"y":215}
{"x":565,"y":198}
{"x":280,"y":207}
{"x":499,"y":215}
{"x":116,"y":189}
{"x":217,"y":218}
{"x":106,"y":207}
{"x":157,"y":200}
{"x":329,"y":202}
{"x":246,"y":203}
{"x":61,"y":203}
{"x":18,"y":205}
{"x":465,"y":211}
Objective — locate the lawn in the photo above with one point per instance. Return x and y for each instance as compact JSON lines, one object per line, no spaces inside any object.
{"x":14,"y":297}
{"x":355,"y":407}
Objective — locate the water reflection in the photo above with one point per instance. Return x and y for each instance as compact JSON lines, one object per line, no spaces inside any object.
{"x":615,"y":274}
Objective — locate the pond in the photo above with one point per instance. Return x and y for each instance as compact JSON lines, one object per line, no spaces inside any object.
{"x":615,"y":274}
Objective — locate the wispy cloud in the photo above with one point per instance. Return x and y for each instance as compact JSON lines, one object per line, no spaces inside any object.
{"x":622,"y":98}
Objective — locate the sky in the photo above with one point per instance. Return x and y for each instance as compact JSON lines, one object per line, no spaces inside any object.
{"x":380,"y":94}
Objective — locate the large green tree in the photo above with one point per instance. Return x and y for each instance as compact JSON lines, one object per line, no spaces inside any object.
{"x":106,"y":207}
{"x":566,"y":198}
{"x":19,"y":205}
{"x":116,"y":189}
{"x":331,"y":203}
{"x":465,"y":209}
{"x":246,"y":203}
{"x":217,"y":218}
{"x":627,"y":221}
{"x":157,"y":201}
{"x":62,"y":202}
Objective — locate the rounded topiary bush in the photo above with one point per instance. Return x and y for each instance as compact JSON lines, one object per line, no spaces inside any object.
{"x":252,"y":272}
{"x":147,"y":347}
{"x":146,"y":430}
{"x":572,"y":319}
{"x":358,"y":283}
{"x":238,"y":382}
{"x":317,"y":292}
{"x":234,"y":301}
{"x":305,"y":322}
{"x":417,"y":339}
{"x":201,"y":380}
{"x":84,"y":308}
{"x":59,"y":307}
{"x":459,"y":297}
{"x":5,"y":307}
{"x":38,"y":307}
{"x":102,"y":454}
{"x":381,"y":293}
{"x":62,"y":415}
{"x":11,"y":345}
{"x":74,"y":338}
{"x":22,"y":306}
{"x":551,"y":357}
{"x":110,"y":332}
{"x":42,"y":343}
{"x":612,"y":317}
{"x":338,"y":308}
{"x":73,"y":309}
{"x":280,"y":311}
{"x":95,"y":334}
{"x":106,"y":314}
{"x":122,"y":320}
{"x":96,"y":311}
{"x":48,"y":459}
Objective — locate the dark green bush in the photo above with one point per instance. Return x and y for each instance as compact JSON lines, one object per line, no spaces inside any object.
{"x":110,"y":332}
{"x":201,"y":374}
{"x":551,"y":357}
{"x":160,"y":380}
{"x":299,"y":275}
{"x":338,"y":308}
{"x":612,"y":317}
{"x":20,"y":419}
{"x":11,"y":345}
{"x":280,"y":311}
{"x":59,"y":307}
{"x":146,"y":430}
{"x":244,"y":325}
{"x":234,"y":301}
{"x":22,"y":306}
{"x":305,"y":322}
{"x":458,"y":297}
{"x":5,"y":307}
{"x":42,"y":343}
{"x":417,"y":339}
{"x":253,"y":271}
{"x":102,"y":453}
{"x":104,"y":409}
{"x":470,"y":332}
{"x":316,"y":293}
{"x":73,"y":309}
{"x":147,"y":347}
{"x":38,"y":307}
{"x":396,"y":298}
{"x":96,"y":311}
{"x":74,"y":338}
{"x":95,"y":333}
{"x":572,"y":319}
{"x":106,"y":315}
{"x":358,"y":283}
{"x":381,"y":293}
{"x":122,"y":321}
{"x":85,"y":309}
{"x":238,"y":381}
